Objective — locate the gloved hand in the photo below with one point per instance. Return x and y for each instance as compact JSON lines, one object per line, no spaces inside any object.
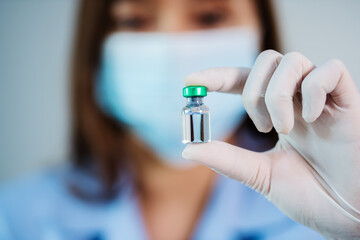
{"x":313,"y":172}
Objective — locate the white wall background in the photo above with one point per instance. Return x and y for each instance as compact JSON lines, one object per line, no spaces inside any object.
{"x":322,"y":29}
{"x":35,"y":40}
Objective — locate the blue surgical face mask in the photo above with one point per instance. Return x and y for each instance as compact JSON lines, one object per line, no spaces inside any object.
{"x":141,"y":80}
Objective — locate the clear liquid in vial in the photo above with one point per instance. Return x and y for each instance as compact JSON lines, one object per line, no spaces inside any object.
{"x":196,"y":127}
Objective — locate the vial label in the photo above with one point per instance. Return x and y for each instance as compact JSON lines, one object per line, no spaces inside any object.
{"x":196,"y":128}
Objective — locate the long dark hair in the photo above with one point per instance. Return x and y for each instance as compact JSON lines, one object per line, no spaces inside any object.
{"x":100,"y":144}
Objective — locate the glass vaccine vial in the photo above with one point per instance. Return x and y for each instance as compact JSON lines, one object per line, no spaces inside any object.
{"x":195,"y":116}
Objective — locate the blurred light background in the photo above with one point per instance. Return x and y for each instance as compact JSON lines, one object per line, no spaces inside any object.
{"x":35,"y":48}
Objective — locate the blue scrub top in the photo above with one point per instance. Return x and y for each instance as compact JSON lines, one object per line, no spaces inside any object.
{"x":40,"y":207}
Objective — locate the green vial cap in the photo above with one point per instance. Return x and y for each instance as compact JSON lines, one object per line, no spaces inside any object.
{"x":195,"y":91}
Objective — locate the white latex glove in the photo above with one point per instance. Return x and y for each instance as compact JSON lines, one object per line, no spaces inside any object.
{"x":313,"y":172}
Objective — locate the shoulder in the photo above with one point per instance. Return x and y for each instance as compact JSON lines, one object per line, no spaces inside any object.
{"x":41,"y":204}
{"x":28,"y":200}
{"x":31,"y":189}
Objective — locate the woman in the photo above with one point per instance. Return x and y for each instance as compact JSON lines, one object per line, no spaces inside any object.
{"x":127,"y":179}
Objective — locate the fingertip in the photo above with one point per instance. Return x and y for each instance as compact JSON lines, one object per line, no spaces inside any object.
{"x":201,"y":78}
{"x":283,"y":129}
{"x":266,"y":129}
{"x":186,"y":153}
{"x":230,"y":80}
{"x":200,"y":152}
{"x":306,"y":116}
{"x":264,"y":126}
{"x":261,"y":127}
{"x":309,"y":118}
{"x":306,"y":111}
{"x":192,"y":150}
{"x":309,"y":114}
{"x":192,"y":78}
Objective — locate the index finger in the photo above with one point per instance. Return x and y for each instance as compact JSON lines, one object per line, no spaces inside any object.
{"x":230,"y":80}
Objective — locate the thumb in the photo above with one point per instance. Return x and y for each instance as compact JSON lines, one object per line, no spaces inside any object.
{"x":248,"y":167}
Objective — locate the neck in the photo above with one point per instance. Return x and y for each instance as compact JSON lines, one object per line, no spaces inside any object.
{"x":174,"y":197}
{"x":194,"y":100}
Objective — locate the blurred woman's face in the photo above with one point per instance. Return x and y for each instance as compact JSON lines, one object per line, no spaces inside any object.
{"x":145,"y":62}
{"x":183,"y":15}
